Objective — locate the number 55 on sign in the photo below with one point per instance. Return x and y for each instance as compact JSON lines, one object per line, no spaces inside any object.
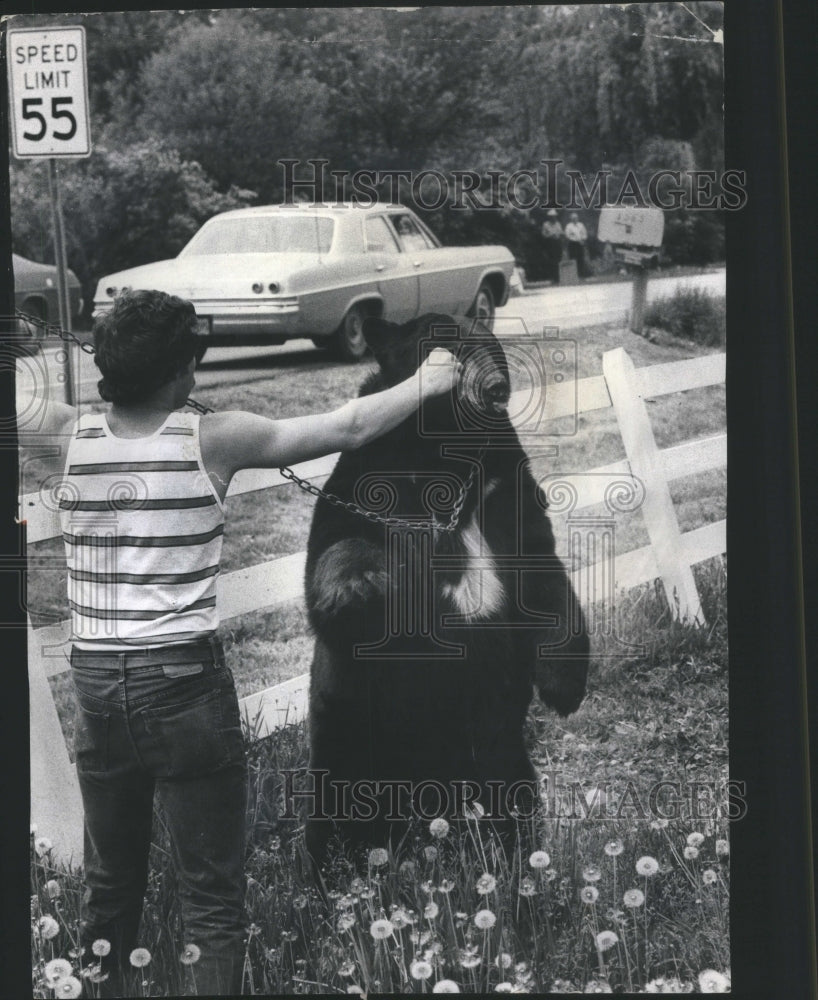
{"x":48,"y":89}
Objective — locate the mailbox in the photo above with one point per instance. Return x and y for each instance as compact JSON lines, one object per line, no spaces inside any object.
{"x":635,"y":233}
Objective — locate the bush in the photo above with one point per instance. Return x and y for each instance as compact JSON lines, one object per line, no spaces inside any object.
{"x":690,"y":314}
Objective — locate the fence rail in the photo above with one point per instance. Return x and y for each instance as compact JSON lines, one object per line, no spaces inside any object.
{"x":669,"y":556}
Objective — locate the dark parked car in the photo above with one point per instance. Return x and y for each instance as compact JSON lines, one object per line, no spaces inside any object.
{"x":35,"y":293}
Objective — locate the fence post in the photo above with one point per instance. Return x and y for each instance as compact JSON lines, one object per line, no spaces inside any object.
{"x":646,"y":464}
{"x":56,"y":805}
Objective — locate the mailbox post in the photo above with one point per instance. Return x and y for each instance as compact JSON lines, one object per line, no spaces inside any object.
{"x":636,"y":235}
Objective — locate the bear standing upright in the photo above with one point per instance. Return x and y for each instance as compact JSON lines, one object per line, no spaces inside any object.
{"x":429,"y":642}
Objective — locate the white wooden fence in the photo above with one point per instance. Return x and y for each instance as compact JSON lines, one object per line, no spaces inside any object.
{"x":55,"y":801}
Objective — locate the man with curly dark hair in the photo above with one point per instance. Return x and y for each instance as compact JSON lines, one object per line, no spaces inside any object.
{"x":142,"y":516}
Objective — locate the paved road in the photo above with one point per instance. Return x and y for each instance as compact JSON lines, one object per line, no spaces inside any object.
{"x":564,"y":307}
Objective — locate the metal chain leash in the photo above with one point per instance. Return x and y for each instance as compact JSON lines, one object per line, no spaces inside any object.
{"x":287,"y":473}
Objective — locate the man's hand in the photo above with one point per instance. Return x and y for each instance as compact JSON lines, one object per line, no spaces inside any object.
{"x":439,"y":372}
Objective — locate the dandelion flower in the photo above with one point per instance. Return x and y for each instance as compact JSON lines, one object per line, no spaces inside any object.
{"x":191,"y":954}
{"x":503,"y":960}
{"x":430,"y":853}
{"x":647,"y":866}
{"x":347,"y":969}
{"x":597,"y":986}
{"x":57,"y":969}
{"x":53,"y":888}
{"x":633,"y":898}
{"x":101,"y":947}
{"x":485,"y":920}
{"x":445,"y":986}
{"x":486,"y":884}
{"x":709,"y":876}
{"x":399,"y":918}
{"x":589,"y":894}
{"x":469,"y":958}
{"x":711,"y":981}
{"x":48,"y":927}
{"x":722,"y":848}
{"x":691,"y":853}
{"x":381,"y":929}
{"x":69,"y":987}
{"x":591,"y":873}
{"x":614,"y":848}
{"x":431,"y":910}
{"x":527,"y":886}
{"x":446,"y":886}
{"x":659,"y":824}
{"x":503,"y":988}
{"x":139,"y":958}
{"x":606,"y":940}
{"x":420,"y":969}
{"x":42,"y":845}
{"x":345,"y":921}
{"x":439,"y":827}
{"x":378,"y":857}
{"x":539,"y":859}
{"x":695,"y":839}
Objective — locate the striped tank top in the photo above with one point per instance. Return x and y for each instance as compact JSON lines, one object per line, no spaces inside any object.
{"x":143,"y":530}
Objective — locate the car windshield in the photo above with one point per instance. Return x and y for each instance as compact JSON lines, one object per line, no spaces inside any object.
{"x":263,"y":234}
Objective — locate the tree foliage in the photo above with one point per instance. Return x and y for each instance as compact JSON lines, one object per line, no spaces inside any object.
{"x":191,"y":111}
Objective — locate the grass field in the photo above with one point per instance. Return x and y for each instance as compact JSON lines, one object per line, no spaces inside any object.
{"x":656,"y":711}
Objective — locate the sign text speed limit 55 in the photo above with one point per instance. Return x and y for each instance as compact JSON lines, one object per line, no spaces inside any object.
{"x":48,"y":89}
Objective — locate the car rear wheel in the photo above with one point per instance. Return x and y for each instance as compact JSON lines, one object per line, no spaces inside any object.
{"x":483,"y":305}
{"x":349,"y":340}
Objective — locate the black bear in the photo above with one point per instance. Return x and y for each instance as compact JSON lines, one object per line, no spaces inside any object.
{"x":429,"y":641}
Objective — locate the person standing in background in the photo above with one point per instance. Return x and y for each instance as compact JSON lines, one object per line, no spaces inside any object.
{"x":554,"y":239}
{"x":577,"y":236}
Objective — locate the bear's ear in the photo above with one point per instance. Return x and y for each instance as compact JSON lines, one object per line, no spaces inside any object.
{"x":378,"y":331}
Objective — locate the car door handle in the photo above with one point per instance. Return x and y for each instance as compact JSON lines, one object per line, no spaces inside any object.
{"x":380,"y":267}
{"x":417,"y":263}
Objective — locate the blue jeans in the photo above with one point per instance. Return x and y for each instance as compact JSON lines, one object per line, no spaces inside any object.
{"x":163,"y":723}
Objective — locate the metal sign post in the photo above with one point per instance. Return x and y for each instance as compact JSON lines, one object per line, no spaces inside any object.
{"x":48,"y":92}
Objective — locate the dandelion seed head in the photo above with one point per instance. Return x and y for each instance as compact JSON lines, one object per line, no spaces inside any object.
{"x":591,"y":873}
{"x":439,"y":827}
{"x":407,"y":868}
{"x":399,"y":918}
{"x":503,"y":988}
{"x":486,"y":883}
{"x":633,"y":898}
{"x":300,"y":901}
{"x":57,"y":969}
{"x":539,"y":859}
{"x":345,"y":921}
{"x":427,"y":886}
{"x":527,"y":886}
{"x":597,"y":986}
{"x":711,"y":981}
{"x":659,"y":824}
{"x":589,"y":894}
{"x":709,"y":877}
{"x":722,"y":848}
{"x":378,"y":857}
{"x":191,"y":953}
{"x":446,"y":886}
{"x":381,"y":929}
{"x":420,"y":969}
{"x":647,"y":866}
{"x":691,"y":853}
{"x":139,"y":958}
{"x":431,"y":910}
{"x":346,"y":969}
{"x":669,"y":984}
{"x":358,"y":885}
{"x":47,"y":927}
{"x":606,"y":940}
{"x":485,"y":920}
{"x":53,"y":888}
{"x":445,"y":986}
{"x":473,"y":810}
{"x":614,"y":848}
{"x":101,"y":947}
{"x":695,"y":839}
{"x":503,"y":960}
{"x":42,"y":845}
{"x":469,"y":958}
{"x":430,"y":853}
{"x":355,"y":991}
{"x":69,"y":987}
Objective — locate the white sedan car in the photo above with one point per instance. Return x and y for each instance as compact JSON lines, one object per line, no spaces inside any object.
{"x":269,"y":274}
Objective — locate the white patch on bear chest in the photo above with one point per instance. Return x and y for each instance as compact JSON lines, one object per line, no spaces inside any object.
{"x":479,"y":592}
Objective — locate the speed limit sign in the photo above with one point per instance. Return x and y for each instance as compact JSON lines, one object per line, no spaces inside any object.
{"x":48,"y":89}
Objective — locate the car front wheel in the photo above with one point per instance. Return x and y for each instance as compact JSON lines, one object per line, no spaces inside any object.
{"x":349,"y":337}
{"x":483,"y":305}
